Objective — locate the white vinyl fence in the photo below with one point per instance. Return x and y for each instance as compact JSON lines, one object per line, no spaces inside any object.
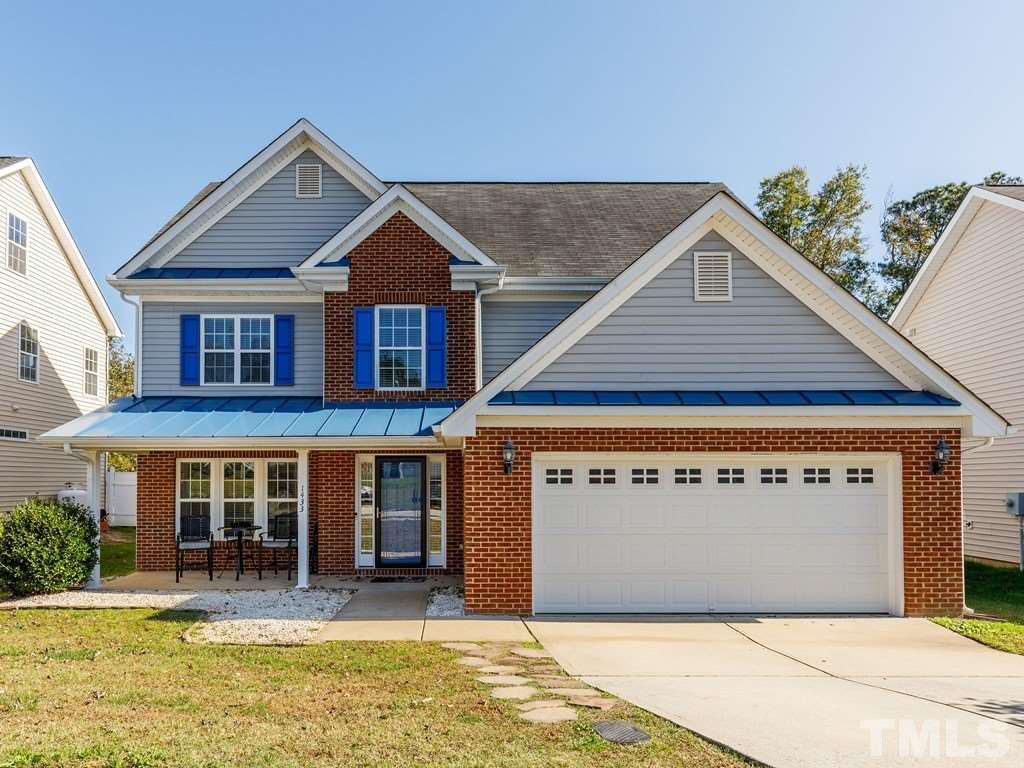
{"x":121,"y":498}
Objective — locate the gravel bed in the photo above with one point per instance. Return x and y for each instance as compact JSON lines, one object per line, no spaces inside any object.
{"x":446,"y":601}
{"x":248,"y":617}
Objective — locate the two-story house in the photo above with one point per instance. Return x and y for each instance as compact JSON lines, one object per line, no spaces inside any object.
{"x":583,"y":397}
{"x":54,"y":330}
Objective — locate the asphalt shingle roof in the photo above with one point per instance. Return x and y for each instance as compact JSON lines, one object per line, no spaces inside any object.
{"x":6,"y":160}
{"x":1016,"y":191}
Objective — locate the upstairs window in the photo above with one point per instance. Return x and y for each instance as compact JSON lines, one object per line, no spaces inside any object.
{"x":400,"y":347}
{"x":17,"y":243}
{"x":28,"y":355}
{"x":10,"y":433}
{"x":309,"y":180}
{"x":92,"y":372}
{"x":712,"y":276}
{"x":237,"y":350}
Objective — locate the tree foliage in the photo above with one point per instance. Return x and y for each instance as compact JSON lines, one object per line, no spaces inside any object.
{"x":910,"y":228}
{"x":120,"y":383}
{"x":825,"y":226}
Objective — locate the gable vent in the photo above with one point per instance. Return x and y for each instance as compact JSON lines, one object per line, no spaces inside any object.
{"x":308,"y":180}
{"x":712,"y":276}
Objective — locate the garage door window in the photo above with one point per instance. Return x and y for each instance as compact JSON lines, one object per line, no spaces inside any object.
{"x":645,"y":475}
{"x":860,"y":475}
{"x":774,"y":476}
{"x":730,"y":475}
{"x":817,"y":475}
{"x":602,"y":476}
{"x":688,"y":475}
{"x":559,"y":476}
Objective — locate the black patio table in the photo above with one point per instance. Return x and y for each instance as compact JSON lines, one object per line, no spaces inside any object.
{"x":239,"y":533}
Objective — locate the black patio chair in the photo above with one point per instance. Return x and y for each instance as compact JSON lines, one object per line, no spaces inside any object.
{"x":195,"y":536}
{"x":283,"y":534}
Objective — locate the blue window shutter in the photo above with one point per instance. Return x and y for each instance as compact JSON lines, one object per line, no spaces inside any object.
{"x":437,"y":348}
{"x":189,"y":369}
{"x":362,"y":364}
{"x":284,"y":350}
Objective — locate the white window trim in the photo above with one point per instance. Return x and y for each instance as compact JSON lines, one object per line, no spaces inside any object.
{"x":14,"y":439}
{"x":8,"y":243}
{"x":439,"y":560}
{"x":21,"y":325}
{"x":214,"y":469}
{"x":237,"y":350}
{"x":269,"y":498}
{"x":365,"y":559}
{"x":86,"y":372}
{"x":697,"y":256}
{"x":423,"y":347}
{"x":320,"y":180}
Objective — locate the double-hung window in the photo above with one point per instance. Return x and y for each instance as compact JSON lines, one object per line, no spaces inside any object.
{"x":17,"y":243}
{"x":195,"y":491}
{"x":237,"y":349}
{"x":28,"y":353}
{"x":239,"y":493}
{"x":399,"y":347}
{"x":282,"y":491}
{"x":92,"y":371}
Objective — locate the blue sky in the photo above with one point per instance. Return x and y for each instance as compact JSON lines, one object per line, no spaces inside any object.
{"x":129,"y":109}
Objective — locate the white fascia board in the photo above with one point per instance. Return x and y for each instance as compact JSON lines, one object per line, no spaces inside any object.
{"x":663,"y":253}
{"x":147,"y":287}
{"x":66,"y":240}
{"x":397,"y":198}
{"x":241,"y":443}
{"x":472,"y":277}
{"x":568,"y":285}
{"x":323,"y":279}
{"x":304,"y":135}
{"x":951,"y":235}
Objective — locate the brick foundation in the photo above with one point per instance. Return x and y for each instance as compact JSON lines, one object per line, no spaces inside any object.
{"x":497,"y":506}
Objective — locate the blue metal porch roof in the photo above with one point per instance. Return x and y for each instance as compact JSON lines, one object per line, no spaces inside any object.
{"x":870,"y":397}
{"x":255,"y":417}
{"x":211,"y":273}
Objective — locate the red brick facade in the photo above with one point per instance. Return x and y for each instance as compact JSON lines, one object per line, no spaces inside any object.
{"x":331,"y":509}
{"x":497,"y":506}
{"x":399,"y":264}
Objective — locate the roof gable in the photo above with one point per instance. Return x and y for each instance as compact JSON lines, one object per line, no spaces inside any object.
{"x":725,"y":215}
{"x":217,"y":202}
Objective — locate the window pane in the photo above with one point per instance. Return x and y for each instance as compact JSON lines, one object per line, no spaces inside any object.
{"x":254,"y":332}
{"x":436,"y":490}
{"x":255,"y":368}
{"x":239,"y":493}
{"x":194,"y":493}
{"x":219,"y":367}
{"x":219,"y":333}
{"x":366,"y":502}
{"x":400,"y":344}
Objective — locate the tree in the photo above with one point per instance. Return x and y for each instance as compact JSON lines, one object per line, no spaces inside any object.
{"x":910,"y":229}
{"x":120,"y":383}
{"x":823,"y":226}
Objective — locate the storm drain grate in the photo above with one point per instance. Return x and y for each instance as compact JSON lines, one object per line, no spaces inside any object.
{"x":619,"y":732}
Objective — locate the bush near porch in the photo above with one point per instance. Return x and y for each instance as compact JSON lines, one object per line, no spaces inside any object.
{"x":998,"y":592}
{"x":46,"y":546}
{"x":120,"y":688}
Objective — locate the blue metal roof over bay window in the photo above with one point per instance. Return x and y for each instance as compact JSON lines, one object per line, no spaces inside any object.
{"x":255,"y":418}
{"x":803,"y":397}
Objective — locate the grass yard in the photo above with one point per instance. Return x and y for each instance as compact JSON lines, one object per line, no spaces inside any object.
{"x":117,"y":552}
{"x":118,"y":688}
{"x":997,"y":592}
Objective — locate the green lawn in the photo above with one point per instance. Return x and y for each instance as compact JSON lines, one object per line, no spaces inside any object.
{"x":119,"y":688}
{"x":117,"y":552}
{"x":997,"y":592}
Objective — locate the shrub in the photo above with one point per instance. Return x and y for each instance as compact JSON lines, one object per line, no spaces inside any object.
{"x":47,"y":546}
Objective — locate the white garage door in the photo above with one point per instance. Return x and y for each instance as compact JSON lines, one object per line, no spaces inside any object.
{"x":743,"y":533}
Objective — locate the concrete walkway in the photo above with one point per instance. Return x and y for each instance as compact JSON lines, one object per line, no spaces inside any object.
{"x":809,"y":693}
{"x":397,"y":611}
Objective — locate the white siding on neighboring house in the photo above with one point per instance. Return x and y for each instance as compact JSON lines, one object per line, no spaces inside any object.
{"x":274,"y":228}
{"x":969,"y":320}
{"x":50,"y":298}
{"x":764,"y":338}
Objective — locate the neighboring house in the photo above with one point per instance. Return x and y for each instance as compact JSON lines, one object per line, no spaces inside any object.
{"x":963,"y":309}
{"x":583,"y":397}
{"x":54,"y":328}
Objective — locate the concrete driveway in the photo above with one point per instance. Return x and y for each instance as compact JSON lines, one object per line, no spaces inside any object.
{"x":809,"y":691}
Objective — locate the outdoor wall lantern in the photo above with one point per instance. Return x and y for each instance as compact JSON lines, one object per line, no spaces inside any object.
{"x":941,"y":456}
{"x":508,"y":454}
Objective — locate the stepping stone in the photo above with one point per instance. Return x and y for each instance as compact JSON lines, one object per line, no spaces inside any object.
{"x":472,"y":661}
{"x":501,"y":669}
{"x":461,"y":646}
{"x":549,"y":715}
{"x":558,"y":682}
{"x":594,"y":702}
{"x":531,"y":653}
{"x":540,"y":704}
{"x":476,"y":651}
{"x":516,"y":692}
{"x":544,"y":669}
{"x":503,"y":680}
{"x":568,"y":692}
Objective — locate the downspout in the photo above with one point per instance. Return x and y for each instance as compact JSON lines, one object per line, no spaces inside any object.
{"x":479,"y":334}
{"x":138,"y":341}
{"x":92,"y":499}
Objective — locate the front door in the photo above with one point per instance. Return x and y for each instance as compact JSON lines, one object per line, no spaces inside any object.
{"x":401,"y":512}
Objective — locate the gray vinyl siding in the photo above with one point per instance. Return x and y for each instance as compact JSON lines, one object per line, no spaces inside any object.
{"x":161,"y":347}
{"x":765,"y":338}
{"x":509,"y":328}
{"x":273,"y":228}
